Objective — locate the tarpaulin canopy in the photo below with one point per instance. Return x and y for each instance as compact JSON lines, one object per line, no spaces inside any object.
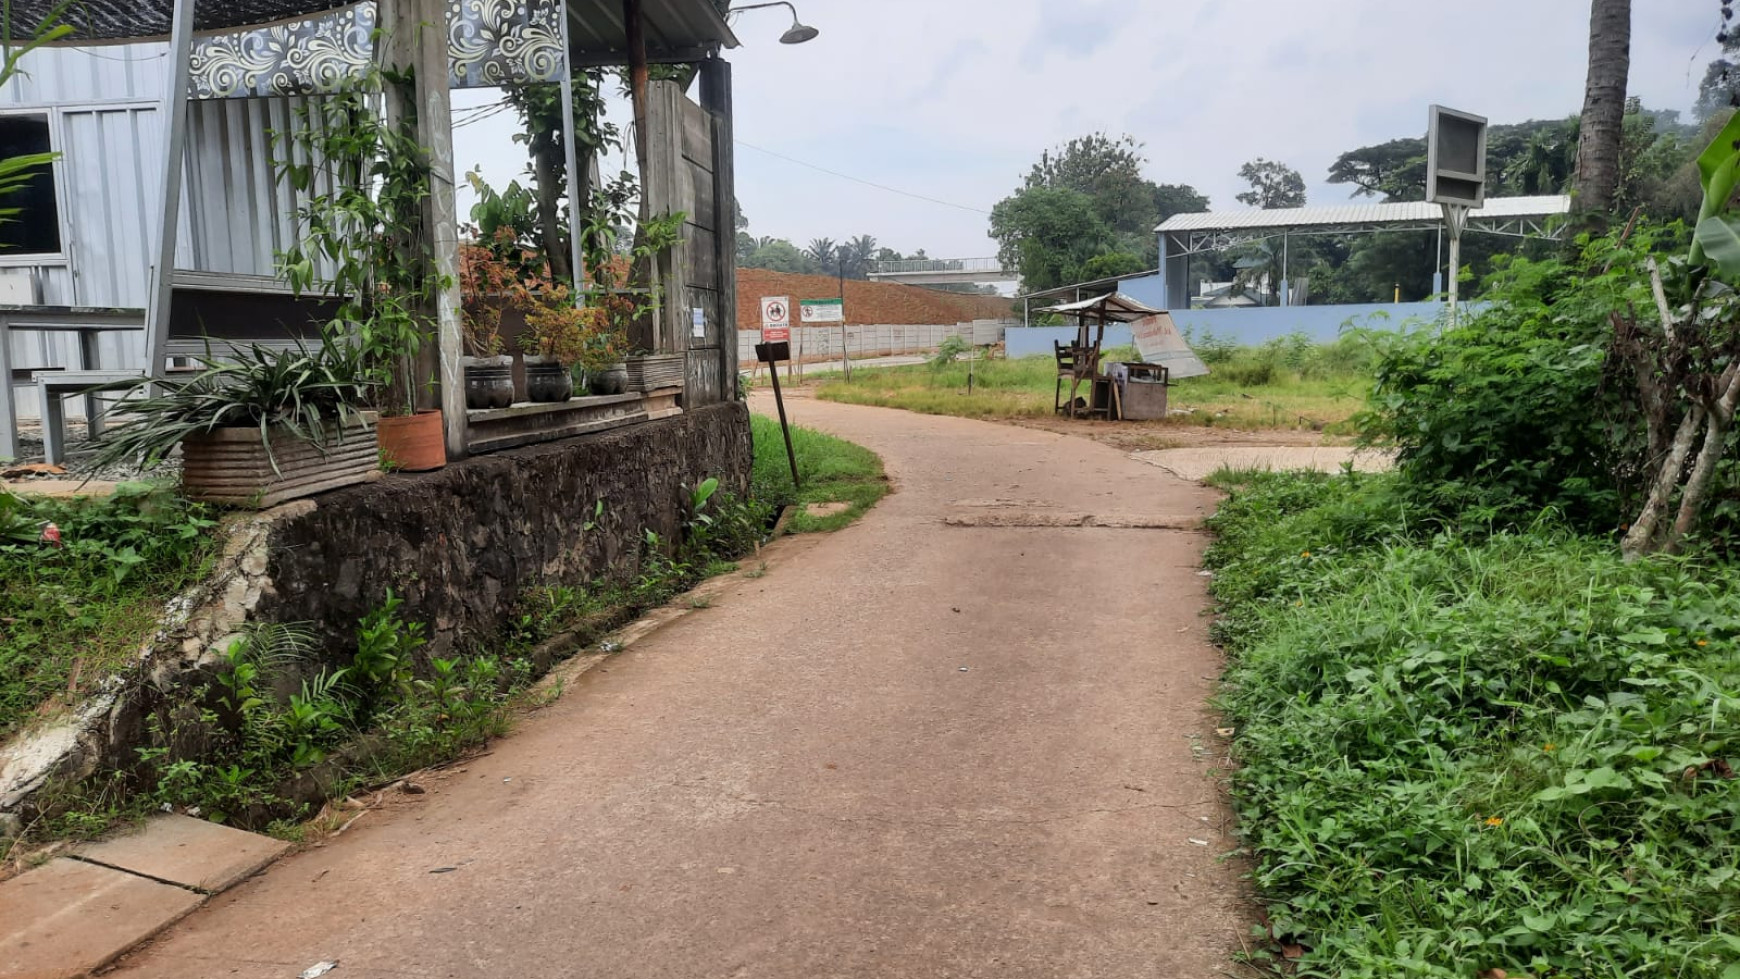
{"x":1115,"y":308}
{"x":1158,"y":340}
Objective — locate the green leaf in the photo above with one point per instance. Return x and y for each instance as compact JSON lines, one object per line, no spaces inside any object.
{"x":1716,"y":165}
{"x":1540,"y":924}
{"x":1719,"y":237}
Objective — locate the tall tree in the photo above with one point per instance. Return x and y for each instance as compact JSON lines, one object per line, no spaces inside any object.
{"x":824,"y":253}
{"x":1603,"y":122}
{"x":1049,"y":234}
{"x":1273,"y":185}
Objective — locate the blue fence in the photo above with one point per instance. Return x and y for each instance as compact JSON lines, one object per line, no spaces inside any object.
{"x":1247,"y":326}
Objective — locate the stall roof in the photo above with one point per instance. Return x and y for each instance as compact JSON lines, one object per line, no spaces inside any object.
{"x":1117,"y":308}
{"x":1413,"y":212}
{"x":674,"y":28}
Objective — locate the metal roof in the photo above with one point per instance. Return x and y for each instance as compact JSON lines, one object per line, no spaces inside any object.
{"x":674,"y":28}
{"x":1114,"y":308}
{"x":1412,"y":212}
{"x":120,"y":20}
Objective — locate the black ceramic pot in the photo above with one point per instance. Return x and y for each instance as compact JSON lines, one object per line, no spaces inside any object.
{"x":489,"y":382}
{"x":547,"y":380}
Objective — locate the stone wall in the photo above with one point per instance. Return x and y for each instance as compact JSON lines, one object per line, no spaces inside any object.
{"x":459,"y":545}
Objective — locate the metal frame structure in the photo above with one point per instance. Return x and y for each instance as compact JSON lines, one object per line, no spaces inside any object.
{"x":1184,"y":235}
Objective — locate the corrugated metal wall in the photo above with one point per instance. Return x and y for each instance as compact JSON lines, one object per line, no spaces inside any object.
{"x":104,"y":111}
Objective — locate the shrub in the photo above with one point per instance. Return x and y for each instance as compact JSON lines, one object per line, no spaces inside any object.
{"x":1508,"y":413}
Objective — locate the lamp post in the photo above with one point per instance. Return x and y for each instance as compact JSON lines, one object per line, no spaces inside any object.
{"x":799,"y":31}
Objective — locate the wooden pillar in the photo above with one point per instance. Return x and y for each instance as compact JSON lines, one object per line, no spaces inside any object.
{"x":716,"y":99}
{"x":157,"y":313}
{"x":416,"y":38}
{"x":667,"y":189}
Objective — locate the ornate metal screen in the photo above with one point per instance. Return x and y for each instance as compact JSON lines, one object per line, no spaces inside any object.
{"x":489,"y":43}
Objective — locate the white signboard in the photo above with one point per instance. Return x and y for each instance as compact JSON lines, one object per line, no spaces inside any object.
{"x":823,"y":310}
{"x":775,"y":319}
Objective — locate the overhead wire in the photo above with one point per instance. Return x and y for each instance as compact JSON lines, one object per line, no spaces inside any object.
{"x":860,"y":180}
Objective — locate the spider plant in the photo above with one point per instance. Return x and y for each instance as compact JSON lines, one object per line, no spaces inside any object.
{"x":307,"y":395}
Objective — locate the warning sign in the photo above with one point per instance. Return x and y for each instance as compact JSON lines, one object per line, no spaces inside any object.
{"x":775,"y":319}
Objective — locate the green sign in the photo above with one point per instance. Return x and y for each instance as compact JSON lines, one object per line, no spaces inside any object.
{"x":823,"y":310}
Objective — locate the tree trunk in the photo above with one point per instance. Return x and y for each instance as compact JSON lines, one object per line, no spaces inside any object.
{"x":1642,"y":538}
{"x":1698,"y":483}
{"x":1603,"y":105}
{"x":549,"y":166}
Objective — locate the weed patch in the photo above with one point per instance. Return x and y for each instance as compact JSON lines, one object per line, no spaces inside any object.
{"x":72,"y":611}
{"x":1461,"y":754}
{"x":832,"y":470}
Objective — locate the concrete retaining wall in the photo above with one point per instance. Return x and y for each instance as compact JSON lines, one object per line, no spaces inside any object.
{"x":823,"y":343}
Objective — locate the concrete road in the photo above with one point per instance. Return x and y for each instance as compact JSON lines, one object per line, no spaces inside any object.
{"x":953,"y":740}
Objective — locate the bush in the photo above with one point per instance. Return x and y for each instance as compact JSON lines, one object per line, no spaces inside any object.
{"x":1509,"y":413}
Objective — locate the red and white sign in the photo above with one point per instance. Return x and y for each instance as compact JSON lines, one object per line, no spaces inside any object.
{"x":775,"y":319}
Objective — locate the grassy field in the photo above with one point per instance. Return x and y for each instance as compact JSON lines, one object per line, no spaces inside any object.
{"x":832,"y":471}
{"x":1289,"y":384}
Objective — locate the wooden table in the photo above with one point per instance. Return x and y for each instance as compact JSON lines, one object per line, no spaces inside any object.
{"x":89,"y":322}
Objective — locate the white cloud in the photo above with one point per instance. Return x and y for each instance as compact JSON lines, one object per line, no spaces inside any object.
{"x":955,"y":99}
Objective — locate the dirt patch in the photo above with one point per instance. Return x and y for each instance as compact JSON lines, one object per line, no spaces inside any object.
{"x":867,"y":303}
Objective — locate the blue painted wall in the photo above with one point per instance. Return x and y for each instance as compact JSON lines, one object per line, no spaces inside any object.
{"x":1246,"y":326}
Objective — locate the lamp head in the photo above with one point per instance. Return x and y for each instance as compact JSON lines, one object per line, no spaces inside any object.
{"x":799,"y":33}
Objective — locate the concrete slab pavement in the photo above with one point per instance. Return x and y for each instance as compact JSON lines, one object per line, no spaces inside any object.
{"x":194,"y":853}
{"x":68,"y":917}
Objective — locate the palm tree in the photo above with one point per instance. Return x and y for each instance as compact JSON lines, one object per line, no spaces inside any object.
{"x":823,"y":252}
{"x":857,"y":254}
{"x":1603,"y":121}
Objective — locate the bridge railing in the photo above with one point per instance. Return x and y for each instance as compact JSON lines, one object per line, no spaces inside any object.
{"x":915,"y":265}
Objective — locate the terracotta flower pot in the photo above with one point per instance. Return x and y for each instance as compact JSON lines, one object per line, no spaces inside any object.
{"x":414,"y":443}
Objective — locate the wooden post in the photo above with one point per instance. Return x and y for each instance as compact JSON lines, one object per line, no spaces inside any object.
{"x":416,"y":38}
{"x":578,"y":190}
{"x":716,"y":99}
{"x":157,"y":314}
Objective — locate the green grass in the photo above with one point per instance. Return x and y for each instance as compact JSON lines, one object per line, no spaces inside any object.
{"x":1275,"y":386}
{"x":1457,"y":754}
{"x":832,"y":470}
{"x":82,"y":609}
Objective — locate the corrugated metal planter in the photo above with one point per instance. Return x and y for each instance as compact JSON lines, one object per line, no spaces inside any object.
{"x":655,"y":372}
{"x":230,"y":465}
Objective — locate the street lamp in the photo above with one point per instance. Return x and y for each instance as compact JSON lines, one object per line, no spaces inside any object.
{"x":799,"y":32}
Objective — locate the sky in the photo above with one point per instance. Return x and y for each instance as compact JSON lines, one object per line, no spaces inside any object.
{"x":953,"y":100}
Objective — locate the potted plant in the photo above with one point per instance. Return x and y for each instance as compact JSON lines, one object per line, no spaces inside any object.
{"x":360,"y":240}
{"x":555,"y":339}
{"x":602,"y":353}
{"x":258,"y":429}
{"x":646,"y":370}
{"x":485,"y":282}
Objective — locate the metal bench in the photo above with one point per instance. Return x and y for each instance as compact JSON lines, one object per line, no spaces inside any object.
{"x":58,"y":384}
